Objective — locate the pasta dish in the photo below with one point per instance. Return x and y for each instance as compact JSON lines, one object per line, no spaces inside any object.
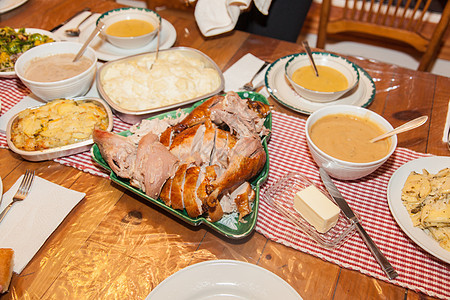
{"x":426,"y":197}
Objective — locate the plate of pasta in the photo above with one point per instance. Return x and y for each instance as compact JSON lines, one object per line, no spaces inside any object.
{"x":418,"y":196}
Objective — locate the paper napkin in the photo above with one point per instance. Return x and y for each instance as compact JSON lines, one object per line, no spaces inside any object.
{"x":447,"y":125}
{"x":60,"y":33}
{"x":242,"y":72}
{"x":215,"y":17}
{"x":30,"y":222}
{"x":27,"y":101}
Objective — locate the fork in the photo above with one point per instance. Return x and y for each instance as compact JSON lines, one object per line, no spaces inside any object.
{"x":22,"y":192}
{"x":249,"y":85}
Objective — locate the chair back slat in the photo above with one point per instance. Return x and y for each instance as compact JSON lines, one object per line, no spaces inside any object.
{"x":398,"y":20}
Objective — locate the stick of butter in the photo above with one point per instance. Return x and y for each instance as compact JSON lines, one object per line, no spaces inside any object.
{"x":316,"y":208}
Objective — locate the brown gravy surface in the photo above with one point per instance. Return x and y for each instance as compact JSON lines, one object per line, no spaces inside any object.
{"x":56,"y":67}
{"x":346,"y":137}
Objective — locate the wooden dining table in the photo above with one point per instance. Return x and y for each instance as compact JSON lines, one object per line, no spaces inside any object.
{"x":116,"y":245}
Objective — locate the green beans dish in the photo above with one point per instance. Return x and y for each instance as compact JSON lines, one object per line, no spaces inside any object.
{"x":14,"y":42}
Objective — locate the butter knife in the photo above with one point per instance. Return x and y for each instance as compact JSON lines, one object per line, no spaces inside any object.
{"x":348,"y":212}
{"x":69,"y":19}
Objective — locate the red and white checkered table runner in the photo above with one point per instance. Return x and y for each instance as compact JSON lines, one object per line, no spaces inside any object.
{"x":288,"y":151}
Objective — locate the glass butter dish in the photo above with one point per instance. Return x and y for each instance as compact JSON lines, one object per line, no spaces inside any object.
{"x":281,"y":196}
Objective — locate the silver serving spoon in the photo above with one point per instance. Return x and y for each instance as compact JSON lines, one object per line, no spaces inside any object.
{"x":405,"y":127}
{"x":94,"y":33}
{"x":76,"y":31}
{"x":311,"y":59}
{"x":157,"y":47}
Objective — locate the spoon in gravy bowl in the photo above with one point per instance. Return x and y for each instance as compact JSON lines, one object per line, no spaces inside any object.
{"x":311,"y":59}
{"x":94,"y":33}
{"x":405,"y":127}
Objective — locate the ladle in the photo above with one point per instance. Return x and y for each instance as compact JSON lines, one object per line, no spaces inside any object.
{"x":94,"y":33}
{"x":405,"y":127}
{"x":311,"y":59}
{"x":157,"y":46}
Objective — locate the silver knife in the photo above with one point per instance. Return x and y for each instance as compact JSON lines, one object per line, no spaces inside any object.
{"x":69,"y":19}
{"x":348,"y":212}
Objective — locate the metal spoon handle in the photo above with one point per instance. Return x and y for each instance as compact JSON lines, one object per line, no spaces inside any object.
{"x":94,"y":33}
{"x":308,"y":51}
{"x":405,"y":127}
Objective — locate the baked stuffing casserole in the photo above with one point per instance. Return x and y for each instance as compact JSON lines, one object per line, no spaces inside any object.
{"x":58,"y":123}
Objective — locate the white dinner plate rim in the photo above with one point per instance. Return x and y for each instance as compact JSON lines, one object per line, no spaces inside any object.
{"x":366,"y":83}
{"x":12,"y":74}
{"x":14,"y":4}
{"x":222,"y":272}
{"x":110,"y":52}
{"x":432,"y":164}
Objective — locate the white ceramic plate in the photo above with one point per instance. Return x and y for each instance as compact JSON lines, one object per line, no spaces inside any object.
{"x":11,"y":74}
{"x":278,"y":87}
{"x":106,"y":51}
{"x":7,"y":5}
{"x":223,"y":279}
{"x":433,"y":165}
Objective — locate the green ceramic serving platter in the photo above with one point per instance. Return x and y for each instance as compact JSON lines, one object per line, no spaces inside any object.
{"x":229,"y":226}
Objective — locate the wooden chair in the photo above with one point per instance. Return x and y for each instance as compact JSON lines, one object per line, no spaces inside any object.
{"x":171,"y":4}
{"x":390,"y":22}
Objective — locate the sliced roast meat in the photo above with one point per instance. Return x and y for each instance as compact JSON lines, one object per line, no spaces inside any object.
{"x":118,"y":151}
{"x":246,"y":160}
{"x":185,"y":145}
{"x":242,"y":197}
{"x":176,"y":192}
{"x":192,"y":203}
{"x":198,"y":115}
{"x":154,"y":165}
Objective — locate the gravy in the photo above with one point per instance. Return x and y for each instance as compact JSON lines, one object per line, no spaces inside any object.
{"x":329,"y":79}
{"x":56,"y":67}
{"x":347,"y":137}
{"x":130,"y":28}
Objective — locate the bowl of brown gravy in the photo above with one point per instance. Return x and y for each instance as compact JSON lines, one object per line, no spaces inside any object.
{"x":49,"y":72}
{"x":338,"y":138}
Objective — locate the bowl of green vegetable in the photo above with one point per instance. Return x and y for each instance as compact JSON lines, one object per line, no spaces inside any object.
{"x":14,"y":42}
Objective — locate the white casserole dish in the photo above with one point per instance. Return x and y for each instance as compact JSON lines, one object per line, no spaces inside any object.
{"x":66,"y":150}
{"x":134,"y":116}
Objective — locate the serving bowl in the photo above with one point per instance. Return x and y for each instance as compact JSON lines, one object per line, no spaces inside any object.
{"x":29,"y":31}
{"x":130,"y":13}
{"x":75,"y":86}
{"x":338,"y":63}
{"x":123,"y":83}
{"x":338,"y":168}
{"x":56,"y":152}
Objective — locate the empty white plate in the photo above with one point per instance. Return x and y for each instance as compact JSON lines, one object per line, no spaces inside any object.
{"x":223,"y":279}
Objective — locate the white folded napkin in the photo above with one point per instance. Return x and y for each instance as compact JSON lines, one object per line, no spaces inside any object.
{"x":27,"y":101}
{"x":447,"y":125}
{"x":30,"y":222}
{"x":215,"y":17}
{"x":242,"y":72}
{"x":60,"y":33}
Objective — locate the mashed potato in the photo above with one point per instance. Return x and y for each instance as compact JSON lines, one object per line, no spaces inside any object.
{"x":174,"y":78}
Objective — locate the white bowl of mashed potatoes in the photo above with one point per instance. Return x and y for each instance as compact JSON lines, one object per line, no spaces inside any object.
{"x":136,"y":87}
{"x":130,"y":27}
{"x":337,"y":76}
{"x":49,"y":72}
{"x":338,"y":139}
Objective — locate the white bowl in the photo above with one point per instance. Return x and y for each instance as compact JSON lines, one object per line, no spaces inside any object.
{"x":341,"y":169}
{"x":12,"y":74}
{"x":341,"y":64}
{"x":129,"y":13}
{"x":71,"y":87}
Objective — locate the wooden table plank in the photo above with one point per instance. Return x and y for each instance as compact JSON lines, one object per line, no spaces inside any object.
{"x":116,"y":245}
